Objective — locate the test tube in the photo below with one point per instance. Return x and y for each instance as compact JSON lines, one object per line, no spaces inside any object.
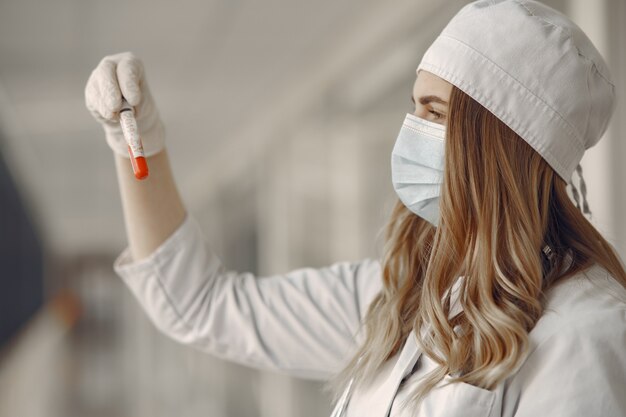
{"x":131,"y":134}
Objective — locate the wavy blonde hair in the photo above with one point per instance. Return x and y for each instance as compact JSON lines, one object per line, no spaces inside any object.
{"x":501,"y":203}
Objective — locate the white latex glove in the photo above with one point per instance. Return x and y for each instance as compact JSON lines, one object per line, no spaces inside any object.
{"x":123,"y":75}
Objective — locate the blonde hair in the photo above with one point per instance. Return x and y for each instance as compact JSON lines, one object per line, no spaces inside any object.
{"x":501,"y":203}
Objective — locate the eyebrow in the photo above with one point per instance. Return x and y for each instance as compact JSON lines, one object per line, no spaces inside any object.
{"x":429,"y":99}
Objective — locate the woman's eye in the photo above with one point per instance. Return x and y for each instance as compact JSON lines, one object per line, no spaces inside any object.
{"x":436,"y":114}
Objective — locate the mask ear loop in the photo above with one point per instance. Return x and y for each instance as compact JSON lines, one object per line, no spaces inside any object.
{"x":583,"y":191}
{"x":575,"y":194}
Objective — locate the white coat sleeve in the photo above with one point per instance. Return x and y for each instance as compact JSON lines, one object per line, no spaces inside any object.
{"x":301,"y":323}
{"x":580,"y":370}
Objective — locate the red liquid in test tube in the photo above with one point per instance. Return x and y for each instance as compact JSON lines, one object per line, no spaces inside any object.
{"x":131,"y":134}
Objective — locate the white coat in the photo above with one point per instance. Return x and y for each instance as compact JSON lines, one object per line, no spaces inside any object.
{"x":304,"y":323}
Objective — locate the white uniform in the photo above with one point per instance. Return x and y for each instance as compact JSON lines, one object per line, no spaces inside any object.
{"x":304,"y":323}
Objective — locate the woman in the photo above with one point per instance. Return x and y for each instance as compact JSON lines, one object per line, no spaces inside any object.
{"x":494,"y":297}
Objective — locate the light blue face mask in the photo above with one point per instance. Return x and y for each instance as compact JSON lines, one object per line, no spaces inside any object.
{"x":417,"y":163}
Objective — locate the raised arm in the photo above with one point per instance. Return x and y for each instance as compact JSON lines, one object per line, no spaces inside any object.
{"x":152,"y":207}
{"x":303,"y":323}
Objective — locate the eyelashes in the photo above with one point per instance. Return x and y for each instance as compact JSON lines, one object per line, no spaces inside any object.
{"x":436,"y":114}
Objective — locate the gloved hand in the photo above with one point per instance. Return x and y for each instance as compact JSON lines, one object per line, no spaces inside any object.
{"x":123,"y":75}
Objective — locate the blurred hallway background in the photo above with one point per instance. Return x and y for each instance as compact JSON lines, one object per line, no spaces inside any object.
{"x":280,"y":117}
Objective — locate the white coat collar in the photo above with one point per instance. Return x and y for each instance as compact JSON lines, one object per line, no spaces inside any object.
{"x":382,"y":399}
{"x":386,"y":393}
{"x":406,"y":361}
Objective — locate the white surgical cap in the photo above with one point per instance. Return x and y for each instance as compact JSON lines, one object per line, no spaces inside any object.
{"x":534,"y":69}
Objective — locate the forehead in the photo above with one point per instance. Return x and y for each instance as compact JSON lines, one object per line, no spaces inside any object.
{"x":427,"y":83}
